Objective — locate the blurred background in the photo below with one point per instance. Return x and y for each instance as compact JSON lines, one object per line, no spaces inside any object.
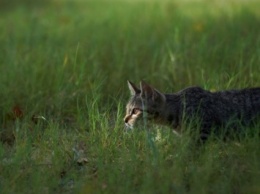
{"x":55,"y":52}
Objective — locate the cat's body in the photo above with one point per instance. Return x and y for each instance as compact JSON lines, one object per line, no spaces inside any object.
{"x":212,"y":110}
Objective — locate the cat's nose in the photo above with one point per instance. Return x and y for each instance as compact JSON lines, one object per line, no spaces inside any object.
{"x":126,"y":119}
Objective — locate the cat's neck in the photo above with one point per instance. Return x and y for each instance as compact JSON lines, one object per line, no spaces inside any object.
{"x":170,"y":113}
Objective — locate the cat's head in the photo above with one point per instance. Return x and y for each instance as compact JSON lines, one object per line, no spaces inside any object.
{"x":145,"y":103}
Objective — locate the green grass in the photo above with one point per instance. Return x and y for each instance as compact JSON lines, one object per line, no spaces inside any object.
{"x":68,"y":61}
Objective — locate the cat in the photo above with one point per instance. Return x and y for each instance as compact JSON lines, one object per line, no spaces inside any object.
{"x":228,"y":109}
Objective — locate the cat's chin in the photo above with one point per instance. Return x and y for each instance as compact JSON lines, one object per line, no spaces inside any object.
{"x":128,"y":127}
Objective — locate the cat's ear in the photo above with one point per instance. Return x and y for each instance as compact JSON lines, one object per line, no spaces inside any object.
{"x":149,"y":92}
{"x":146,"y":90}
{"x":133,"y":89}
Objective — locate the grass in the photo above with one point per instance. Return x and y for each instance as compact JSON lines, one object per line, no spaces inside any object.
{"x":68,"y":62}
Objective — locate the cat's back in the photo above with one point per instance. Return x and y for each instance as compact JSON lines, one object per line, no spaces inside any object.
{"x":247,"y":99}
{"x":194,"y":93}
{"x":192,"y":90}
{"x":237,"y":96}
{"x":252,"y":93}
{"x":247,"y":95}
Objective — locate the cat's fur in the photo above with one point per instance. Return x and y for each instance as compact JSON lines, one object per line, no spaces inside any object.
{"x":228,"y":109}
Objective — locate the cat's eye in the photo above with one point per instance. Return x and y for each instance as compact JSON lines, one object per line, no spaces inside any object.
{"x":136,"y":111}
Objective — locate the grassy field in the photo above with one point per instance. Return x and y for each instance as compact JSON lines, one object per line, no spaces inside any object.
{"x":64,"y":66}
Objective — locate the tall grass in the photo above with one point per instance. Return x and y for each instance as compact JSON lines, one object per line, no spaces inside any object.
{"x":64,"y":66}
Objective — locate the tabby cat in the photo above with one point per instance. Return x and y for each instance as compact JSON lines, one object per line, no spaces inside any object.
{"x":229,"y":109}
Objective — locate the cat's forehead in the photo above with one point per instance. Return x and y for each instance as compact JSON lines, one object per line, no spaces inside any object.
{"x":134,"y":101}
